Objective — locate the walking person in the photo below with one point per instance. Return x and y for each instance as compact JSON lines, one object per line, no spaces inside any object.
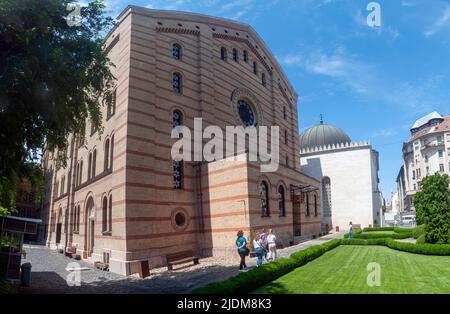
{"x":243,"y":251}
{"x":259,"y":251}
{"x":272,"y":243}
{"x":350,"y":231}
{"x":265,"y":244}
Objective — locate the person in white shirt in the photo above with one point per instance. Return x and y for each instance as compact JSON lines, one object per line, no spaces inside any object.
{"x":259,"y":251}
{"x":272,"y":241}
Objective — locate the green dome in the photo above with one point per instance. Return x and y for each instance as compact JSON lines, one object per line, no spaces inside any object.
{"x":323,"y":135}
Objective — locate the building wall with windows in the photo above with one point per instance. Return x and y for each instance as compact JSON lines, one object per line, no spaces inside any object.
{"x":425,"y":153}
{"x":172,"y":67}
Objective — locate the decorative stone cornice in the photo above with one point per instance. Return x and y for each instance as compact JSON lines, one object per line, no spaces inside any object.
{"x":335,"y":147}
{"x":173,"y":30}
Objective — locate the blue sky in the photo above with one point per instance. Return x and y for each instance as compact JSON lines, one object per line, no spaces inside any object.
{"x":371,"y":82}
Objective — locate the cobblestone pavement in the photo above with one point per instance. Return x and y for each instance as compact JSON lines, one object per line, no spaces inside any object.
{"x":48,"y":273}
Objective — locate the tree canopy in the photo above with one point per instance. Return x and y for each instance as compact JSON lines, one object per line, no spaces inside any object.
{"x":54,"y":76}
{"x":432,"y":205}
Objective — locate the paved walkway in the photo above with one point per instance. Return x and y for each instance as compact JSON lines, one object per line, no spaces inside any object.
{"x":49,"y":273}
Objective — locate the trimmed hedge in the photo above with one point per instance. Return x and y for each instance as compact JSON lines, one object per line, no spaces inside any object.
{"x":426,"y":249}
{"x":378,"y":229}
{"x":418,"y":231}
{"x":249,"y":281}
{"x":400,"y":233}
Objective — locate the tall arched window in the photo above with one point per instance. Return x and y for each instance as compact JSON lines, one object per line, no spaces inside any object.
{"x":176,"y":51}
{"x":94,"y":162}
{"x":235,"y":55}
{"x":223,"y":54}
{"x":110,"y":213}
{"x":264,"y":195}
{"x":177,"y":83}
{"x":308,"y":212}
{"x":286,"y":137}
{"x":245,"y":56}
{"x":177,"y":118}
{"x":281,"y":201}
{"x":315,"y":205}
{"x":178,"y":174}
{"x":106,"y":159}
{"x":255,"y":67}
{"x":76,"y":219}
{"x":263,"y":79}
{"x":111,"y":158}
{"x":105,"y":214}
{"x":326,"y":197}
{"x":284,"y":113}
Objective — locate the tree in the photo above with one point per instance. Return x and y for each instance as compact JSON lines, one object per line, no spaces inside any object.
{"x":53,"y":77}
{"x":432,"y":205}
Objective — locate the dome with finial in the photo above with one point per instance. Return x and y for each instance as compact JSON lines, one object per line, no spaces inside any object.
{"x":322,"y":135}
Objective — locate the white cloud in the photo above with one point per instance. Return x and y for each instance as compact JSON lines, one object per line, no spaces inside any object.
{"x":442,"y":22}
{"x":385,"y":133}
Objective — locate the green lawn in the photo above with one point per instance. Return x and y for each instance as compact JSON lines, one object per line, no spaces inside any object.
{"x":344,"y":270}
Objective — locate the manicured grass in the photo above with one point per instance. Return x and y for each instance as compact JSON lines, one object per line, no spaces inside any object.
{"x":344,"y":270}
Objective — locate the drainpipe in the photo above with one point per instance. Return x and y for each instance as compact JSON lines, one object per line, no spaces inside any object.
{"x":198,"y":174}
{"x":71,"y":191}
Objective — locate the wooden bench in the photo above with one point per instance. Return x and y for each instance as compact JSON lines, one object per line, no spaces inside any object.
{"x":180,"y":258}
{"x":356,"y":226}
{"x":101,"y":266}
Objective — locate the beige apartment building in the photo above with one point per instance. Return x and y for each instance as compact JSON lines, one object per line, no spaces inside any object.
{"x":425,"y":153}
{"x":122,"y":199}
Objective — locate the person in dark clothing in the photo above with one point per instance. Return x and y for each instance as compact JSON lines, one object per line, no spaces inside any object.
{"x":241,"y":243}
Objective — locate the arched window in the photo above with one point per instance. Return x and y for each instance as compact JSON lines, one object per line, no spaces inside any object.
{"x":223,"y":54}
{"x":111,"y":104}
{"x":281,"y":201}
{"x":308,"y":213}
{"x":178,"y":174}
{"x":235,"y":55}
{"x":315,"y":205}
{"x":177,"y":83}
{"x":284,"y":113}
{"x":264,"y":195}
{"x":94,"y":162}
{"x":106,"y":159}
{"x":76,"y":219}
{"x":176,"y":51}
{"x":111,"y":158}
{"x":326,"y":197}
{"x":177,"y":118}
{"x":286,"y":137}
{"x":63,"y":179}
{"x":110,"y":214}
{"x":263,"y":79}
{"x":255,"y":67}
{"x":90,"y":166}
{"x":105,"y":214}
{"x":245,"y":56}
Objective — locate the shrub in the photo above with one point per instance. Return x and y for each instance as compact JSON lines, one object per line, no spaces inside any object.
{"x":426,"y":249}
{"x":421,"y":239}
{"x":363,"y":242}
{"x":6,"y":287}
{"x":378,"y":229}
{"x":380,"y":236}
{"x":418,"y":231}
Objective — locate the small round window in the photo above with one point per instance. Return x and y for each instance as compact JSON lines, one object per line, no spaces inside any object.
{"x":180,"y":219}
{"x":246,"y":113}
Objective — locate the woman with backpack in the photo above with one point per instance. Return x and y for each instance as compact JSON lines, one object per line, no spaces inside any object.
{"x":243,"y":251}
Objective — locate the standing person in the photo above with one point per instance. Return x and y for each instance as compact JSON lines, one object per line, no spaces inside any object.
{"x":265,"y":244}
{"x":259,"y":251}
{"x":350,"y":231}
{"x":241,"y":243}
{"x":272,"y":242}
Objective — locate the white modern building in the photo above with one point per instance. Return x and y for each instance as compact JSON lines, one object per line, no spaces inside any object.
{"x":425,"y":153}
{"x":348,"y":172}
